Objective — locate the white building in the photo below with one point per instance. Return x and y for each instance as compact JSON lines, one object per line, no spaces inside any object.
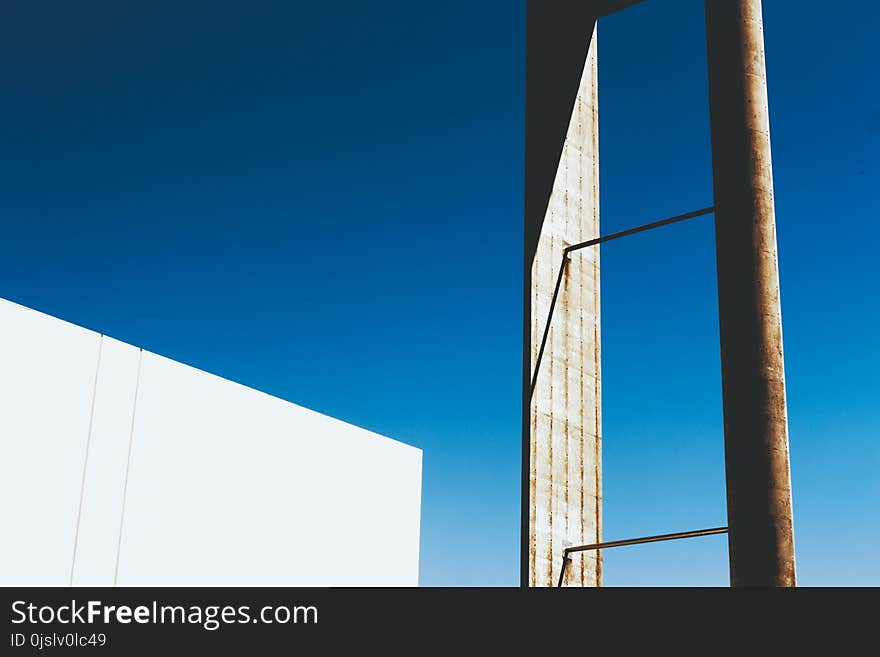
{"x":118,"y":466}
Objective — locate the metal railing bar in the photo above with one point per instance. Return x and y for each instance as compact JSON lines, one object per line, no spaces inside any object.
{"x":640,"y":229}
{"x":634,"y":541}
{"x":594,"y":242}
{"x":559,"y":278}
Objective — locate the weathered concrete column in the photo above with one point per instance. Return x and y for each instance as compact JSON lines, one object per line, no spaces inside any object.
{"x":753,"y":380}
{"x":564,"y":418}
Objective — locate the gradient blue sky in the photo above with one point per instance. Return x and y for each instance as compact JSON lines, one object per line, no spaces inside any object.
{"x":324,"y":202}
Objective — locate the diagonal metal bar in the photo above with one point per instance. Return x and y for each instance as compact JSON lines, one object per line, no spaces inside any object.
{"x":607,"y":7}
{"x":640,"y":229}
{"x":559,"y":278}
{"x":594,"y":242}
{"x":634,"y":541}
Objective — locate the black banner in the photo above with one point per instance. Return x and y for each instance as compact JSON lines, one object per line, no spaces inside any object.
{"x":119,"y":621}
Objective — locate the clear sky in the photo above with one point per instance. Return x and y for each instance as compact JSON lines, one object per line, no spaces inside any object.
{"x":324,"y":202}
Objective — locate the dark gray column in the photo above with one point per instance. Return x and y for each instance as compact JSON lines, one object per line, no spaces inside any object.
{"x":753,"y":378}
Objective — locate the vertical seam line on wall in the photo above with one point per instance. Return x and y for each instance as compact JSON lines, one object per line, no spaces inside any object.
{"x":551,"y":497}
{"x":566,"y":424}
{"x":566,"y":365}
{"x":127,"y":466}
{"x":582,"y":231}
{"x":82,"y":485}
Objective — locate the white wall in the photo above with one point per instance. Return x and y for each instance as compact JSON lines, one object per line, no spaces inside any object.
{"x":118,"y":466}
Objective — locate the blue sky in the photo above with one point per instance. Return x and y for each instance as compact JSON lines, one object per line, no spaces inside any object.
{"x":325,"y":203}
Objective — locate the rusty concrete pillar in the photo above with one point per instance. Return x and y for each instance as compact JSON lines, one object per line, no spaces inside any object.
{"x":759,"y":512}
{"x":563,"y":412}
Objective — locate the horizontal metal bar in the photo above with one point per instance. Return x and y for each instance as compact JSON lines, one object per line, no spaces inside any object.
{"x":594,"y":242}
{"x":633,"y":541}
{"x":646,"y":539}
{"x":640,"y":229}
